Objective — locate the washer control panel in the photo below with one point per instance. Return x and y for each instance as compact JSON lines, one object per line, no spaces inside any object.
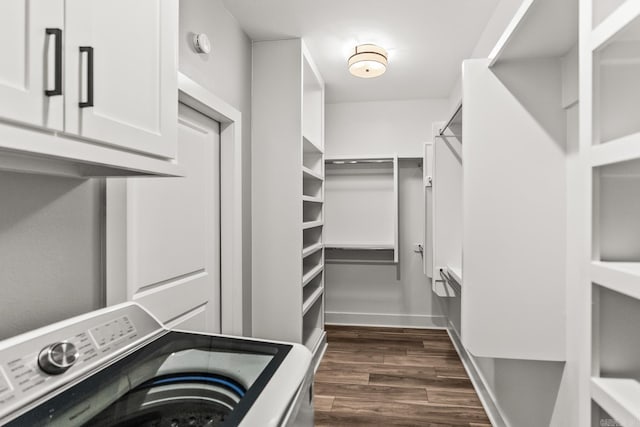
{"x":38,"y":362}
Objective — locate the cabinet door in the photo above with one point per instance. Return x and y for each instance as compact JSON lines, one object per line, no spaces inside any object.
{"x":121,"y":63}
{"x":27,"y":61}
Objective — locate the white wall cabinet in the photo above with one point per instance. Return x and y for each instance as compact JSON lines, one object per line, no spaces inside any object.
{"x":29,"y":38}
{"x":97,"y":82}
{"x":288,"y":195}
{"x":133,"y":100}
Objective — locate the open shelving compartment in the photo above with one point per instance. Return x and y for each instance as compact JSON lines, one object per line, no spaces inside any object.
{"x":361,"y":212}
{"x":616,"y":96}
{"x":313,"y":324}
{"x":615,"y":386}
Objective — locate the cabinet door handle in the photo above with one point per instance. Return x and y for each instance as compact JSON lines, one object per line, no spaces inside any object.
{"x":89,"y":101}
{"x":57,"y":89}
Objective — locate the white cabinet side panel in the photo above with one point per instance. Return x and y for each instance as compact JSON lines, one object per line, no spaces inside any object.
{"x":514,"y":211}
{"x":277,"y":190}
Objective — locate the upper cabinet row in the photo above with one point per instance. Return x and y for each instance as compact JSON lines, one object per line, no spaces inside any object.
{"x":88,"y":87}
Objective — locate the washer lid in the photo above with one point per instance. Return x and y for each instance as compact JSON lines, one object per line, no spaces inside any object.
{"x":184,"y":360}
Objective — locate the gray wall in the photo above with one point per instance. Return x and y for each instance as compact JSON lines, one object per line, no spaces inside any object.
{"x":385,"y":294}
{"x":226,"y":72}
{"x":50,"y":250}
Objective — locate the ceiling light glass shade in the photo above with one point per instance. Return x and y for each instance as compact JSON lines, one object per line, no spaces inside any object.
{"x":368,"y":60}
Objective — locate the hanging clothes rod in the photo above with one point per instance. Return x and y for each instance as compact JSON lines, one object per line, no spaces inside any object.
{"x":449,"y":136}
{"x":355,"y":161}
{"x":451,"y":119}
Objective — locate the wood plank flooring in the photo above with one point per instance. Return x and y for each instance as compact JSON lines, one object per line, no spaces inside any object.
{"x":373,"y":376}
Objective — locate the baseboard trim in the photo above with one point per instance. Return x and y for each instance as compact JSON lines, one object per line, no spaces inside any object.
{"x":383,"y":319}
{"x":479,"y":382}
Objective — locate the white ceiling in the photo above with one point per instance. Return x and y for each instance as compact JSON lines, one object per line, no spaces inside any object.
{"x":426,"y":40}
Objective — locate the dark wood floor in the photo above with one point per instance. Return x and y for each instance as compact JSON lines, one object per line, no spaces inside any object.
{"x":394,"y":377}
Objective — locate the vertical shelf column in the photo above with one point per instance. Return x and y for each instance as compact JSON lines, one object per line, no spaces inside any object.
{"x":610,"y":156}
{"x":313,"y":335}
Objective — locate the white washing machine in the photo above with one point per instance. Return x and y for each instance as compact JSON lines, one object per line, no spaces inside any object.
{"x":120,"y":367}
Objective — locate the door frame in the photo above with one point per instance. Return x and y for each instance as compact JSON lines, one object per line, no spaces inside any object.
{"x":205,"y":102}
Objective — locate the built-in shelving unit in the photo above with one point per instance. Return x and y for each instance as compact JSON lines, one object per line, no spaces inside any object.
{"x":361,"y":224}
{"x":288,"y":250}
{"x":610,"y":153}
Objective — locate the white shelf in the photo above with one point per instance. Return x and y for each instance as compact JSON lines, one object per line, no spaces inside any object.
{"x":312,"y":199}
{"x":523,"y":38}
{"x":309,"y":146}
{"x":361,"y":246}
{"x":311,"y":274}
{"x":616,"y":151}
{"x":308,"y":250}
{"x":620,"y":397}
{"x":455,"y":273}
{"x":622,"y":277}
{"x":615,"y":22}
{"x":311,"y":224}
{"x":308,"y":303}
{"x":309,"y":174}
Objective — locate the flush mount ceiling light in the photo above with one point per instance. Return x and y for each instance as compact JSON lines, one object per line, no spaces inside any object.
{"x":368,"y":60}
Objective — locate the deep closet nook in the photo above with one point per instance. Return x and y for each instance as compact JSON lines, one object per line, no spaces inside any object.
{"x":361,"y":196}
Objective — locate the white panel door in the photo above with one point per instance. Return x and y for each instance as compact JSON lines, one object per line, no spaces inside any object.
{"x":30,"y":30}
{"x":173,"y":232}
{"x":129,"y":97}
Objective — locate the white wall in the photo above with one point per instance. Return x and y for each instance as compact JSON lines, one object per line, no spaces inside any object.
{"x":226,"y":72}
{"x":50,"y":250}
{"x":385,"y":294}
{"x":381,"y":127}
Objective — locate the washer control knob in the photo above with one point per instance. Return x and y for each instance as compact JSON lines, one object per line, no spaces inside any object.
{"x":56,"y":358}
